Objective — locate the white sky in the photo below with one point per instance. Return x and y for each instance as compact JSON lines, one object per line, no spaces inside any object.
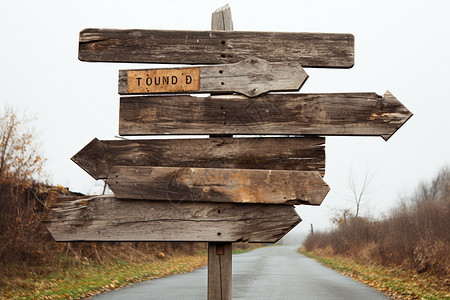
{"x":401,"y":46}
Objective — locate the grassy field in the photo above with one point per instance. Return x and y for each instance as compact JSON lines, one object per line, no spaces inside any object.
{"x":395,"y":283}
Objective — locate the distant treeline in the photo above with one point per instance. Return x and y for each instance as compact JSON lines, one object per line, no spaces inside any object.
{"x":415,"y":235}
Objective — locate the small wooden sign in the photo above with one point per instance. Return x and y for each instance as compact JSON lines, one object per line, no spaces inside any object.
{"x":251,"y":77}
{"x":163,"y":80}
{"x":106,"y":218}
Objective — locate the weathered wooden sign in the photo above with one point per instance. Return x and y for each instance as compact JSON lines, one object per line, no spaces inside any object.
{"x":269,"y":153}
{"x":222,"y":189}
{"x":250,"y":77}
{"x":312,"y":114}
{"x":329,"y":50}
{"x":105,"y":218}
{"x":218,"y":185}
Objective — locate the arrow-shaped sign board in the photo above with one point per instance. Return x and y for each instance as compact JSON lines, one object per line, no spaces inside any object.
{"x":218,"y":185}
{"x":357,"y":114}
{"x":329,"y":50}
{"x":250,"y":77}
{"x":270,"y":153}
{"x":105,"y":218}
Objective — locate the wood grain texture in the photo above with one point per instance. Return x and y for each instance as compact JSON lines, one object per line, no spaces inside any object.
{"x":215,"y":47}
{"x":294,"y":153}
{"x":308,"y":114}
{"x":219,"y":271}
{"x":105,"y":218}
{"x":250,"y":77}
{"x":217,"y":185}
{"x":221,"y":19}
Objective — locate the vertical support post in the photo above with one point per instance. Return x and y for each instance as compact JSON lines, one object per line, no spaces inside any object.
{"x":221,"y":19}
{"x":219,"y":254}
{"x":219,"y":271}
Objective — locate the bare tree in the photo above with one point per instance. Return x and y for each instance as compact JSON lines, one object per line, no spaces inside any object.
{"x":358,"y":188}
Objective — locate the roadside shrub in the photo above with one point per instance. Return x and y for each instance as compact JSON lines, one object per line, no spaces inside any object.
{"x":415,"y":235}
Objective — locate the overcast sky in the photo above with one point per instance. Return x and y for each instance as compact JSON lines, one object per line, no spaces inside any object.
{"x":401,"y":46}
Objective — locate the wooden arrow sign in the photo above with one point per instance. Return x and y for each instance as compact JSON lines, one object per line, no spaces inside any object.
{"x":310,"y":114}
{"x":296,"y":153}
{"x":218,"y":185}
{"x":250,"y":77}
{"x":215,"y":47}
{"x":105,"y":218}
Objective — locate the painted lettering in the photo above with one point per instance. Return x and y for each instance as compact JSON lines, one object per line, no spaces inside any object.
{"x":163,"y":80}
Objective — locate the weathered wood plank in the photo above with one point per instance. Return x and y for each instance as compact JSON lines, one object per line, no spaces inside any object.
{"x":250,"y":77}
{"x":295,"y":153}
{"x":105,"y":218}
{"x":219,"y":271}
{"x":329,"y":50}
{"x":217,"y":185}
{"x":308,"y":114}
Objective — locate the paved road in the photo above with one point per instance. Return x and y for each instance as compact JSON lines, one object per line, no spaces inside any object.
{"x":268,"y":273}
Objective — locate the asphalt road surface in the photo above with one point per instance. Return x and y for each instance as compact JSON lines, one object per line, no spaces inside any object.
{"x":277,"y":272}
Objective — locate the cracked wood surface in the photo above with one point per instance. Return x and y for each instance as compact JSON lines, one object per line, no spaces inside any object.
{"x":217,"y":185}
{"x":271,"y":153}
{"x":344,"y":114}
{"x":331,"y":50}
{"x":106,"y":218}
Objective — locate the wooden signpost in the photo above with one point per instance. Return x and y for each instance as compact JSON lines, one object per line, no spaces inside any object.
{"x":220,"y":189}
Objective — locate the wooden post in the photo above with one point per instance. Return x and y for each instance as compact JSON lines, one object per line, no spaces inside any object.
{"x":219,"y":271}
{"x":219,"y":254}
